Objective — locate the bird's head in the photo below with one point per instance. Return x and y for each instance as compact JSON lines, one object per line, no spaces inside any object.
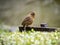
{"x":32,"y":14}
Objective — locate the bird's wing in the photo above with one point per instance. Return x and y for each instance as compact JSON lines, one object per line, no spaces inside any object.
{"x":27,"y":19}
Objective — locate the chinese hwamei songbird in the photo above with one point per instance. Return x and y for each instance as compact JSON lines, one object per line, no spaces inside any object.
{"x":28,"y":20}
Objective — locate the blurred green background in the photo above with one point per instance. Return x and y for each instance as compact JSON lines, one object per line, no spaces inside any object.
{"x":12,"y":12}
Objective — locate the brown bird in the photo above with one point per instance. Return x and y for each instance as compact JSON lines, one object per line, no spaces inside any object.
{"x":28,"y":20}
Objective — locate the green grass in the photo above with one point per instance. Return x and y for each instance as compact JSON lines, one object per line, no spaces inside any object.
{"x":29,"y":38}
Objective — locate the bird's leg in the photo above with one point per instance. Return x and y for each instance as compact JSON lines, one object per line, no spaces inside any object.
{"x":27,"y":26}
{"x":24,"y":27}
